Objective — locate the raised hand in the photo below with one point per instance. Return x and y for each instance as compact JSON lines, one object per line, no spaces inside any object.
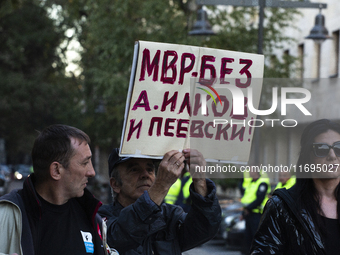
{"x":169,"y":170}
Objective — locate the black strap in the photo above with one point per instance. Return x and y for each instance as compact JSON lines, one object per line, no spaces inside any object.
{"x":284,"y":195}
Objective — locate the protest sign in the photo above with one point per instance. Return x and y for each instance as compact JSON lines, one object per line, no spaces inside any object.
{"x":191,"y":97}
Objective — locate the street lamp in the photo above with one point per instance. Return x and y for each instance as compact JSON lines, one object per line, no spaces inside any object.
{"x":262,"y":4}
{"x":250,"y":3}
{"x":202,"y":26}
{"x":319,"y":32}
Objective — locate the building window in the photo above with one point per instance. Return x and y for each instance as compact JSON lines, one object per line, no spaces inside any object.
{"x":334,"y":70}
{"x":316,"y":64}
{"x":301,"y":52}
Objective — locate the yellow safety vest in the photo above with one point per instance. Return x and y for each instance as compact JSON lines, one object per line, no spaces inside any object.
{"x":290,"y":183}
{"x":175,"y":189}
{"x":185,"y":190}
{"x":250,"y":193}
{"x":246,"y":180}
{"x":173,"y":192}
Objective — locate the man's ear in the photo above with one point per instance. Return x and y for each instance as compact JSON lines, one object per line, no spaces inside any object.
{"x":55,"y":170}
{"x":114,"y":185}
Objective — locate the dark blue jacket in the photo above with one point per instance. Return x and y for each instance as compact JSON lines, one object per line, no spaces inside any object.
{"x":146,"y":228}
{"x":28,"y":202}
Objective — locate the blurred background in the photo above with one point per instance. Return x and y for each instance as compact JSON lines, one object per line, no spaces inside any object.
{"x":69,"y":61}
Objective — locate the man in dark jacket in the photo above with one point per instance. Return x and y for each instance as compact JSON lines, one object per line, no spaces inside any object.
{"x":54,"y":213}
{"x":140,"y":223}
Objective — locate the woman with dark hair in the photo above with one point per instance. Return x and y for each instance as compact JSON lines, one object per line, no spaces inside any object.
{"x":305,"y":218}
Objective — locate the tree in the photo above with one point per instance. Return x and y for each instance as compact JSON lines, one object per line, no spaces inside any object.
{"x":33,"y":42}
{"x":108,"y":37}
{"x":34,"y":89}
{"x":239,"y":32}
{"x":111,"y":28}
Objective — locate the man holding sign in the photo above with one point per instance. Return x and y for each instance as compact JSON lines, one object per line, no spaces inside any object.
{"x":140,"y":223}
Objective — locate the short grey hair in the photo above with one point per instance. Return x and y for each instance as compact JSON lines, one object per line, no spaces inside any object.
{"x":115,"y":175}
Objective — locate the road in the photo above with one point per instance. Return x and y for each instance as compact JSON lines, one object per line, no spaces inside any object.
{"x":215,"y":247}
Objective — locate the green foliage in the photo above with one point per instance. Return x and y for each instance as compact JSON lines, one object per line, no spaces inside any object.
{"x":34,"y":90}
{"x":112,"y":27}
{"x":239,"y":32}
{"x":108,"y":38}
{"x":7,"y":6}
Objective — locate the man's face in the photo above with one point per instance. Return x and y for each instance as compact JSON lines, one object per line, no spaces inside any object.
{"x":80,"y":168}
{"x":137,"y":175}
{"x":254,"y":173}
{"x":284,"y":177}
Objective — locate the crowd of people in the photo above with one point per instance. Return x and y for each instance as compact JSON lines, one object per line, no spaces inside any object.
{"x":255,"y":188}
{"x":55,"y":213}
{"x":161,"y":208}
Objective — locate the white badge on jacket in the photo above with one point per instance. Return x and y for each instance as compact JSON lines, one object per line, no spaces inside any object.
{"x":87,"y":238}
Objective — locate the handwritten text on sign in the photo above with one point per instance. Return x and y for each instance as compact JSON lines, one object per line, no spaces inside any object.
{"x":175,"y":95}
{"x":170,"y":60}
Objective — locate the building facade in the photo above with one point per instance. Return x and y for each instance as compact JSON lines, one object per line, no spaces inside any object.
{"x":318,"y":72}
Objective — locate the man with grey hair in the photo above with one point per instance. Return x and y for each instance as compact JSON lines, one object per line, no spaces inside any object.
{"x":139,"y":222}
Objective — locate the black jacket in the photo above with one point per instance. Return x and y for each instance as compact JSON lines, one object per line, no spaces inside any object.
{"x":28,"y":202}
{"x":146,"y":228}
{"x":285,"y":230}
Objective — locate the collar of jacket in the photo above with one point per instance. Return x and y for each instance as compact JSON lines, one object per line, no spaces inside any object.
{"x":89,"y":203}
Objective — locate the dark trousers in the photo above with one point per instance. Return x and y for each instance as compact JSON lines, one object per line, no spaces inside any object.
{"x":252,"y":223}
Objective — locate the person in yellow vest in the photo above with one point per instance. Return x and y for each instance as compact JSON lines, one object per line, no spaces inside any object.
{"x":254,"y":199}
{"x":173,"y":192}
{"x":244,"y":182}
{"x":286,"y":180}
{"x":178,"y":193}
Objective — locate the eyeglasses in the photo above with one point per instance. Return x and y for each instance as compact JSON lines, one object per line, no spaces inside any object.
{"x":321,"y":150}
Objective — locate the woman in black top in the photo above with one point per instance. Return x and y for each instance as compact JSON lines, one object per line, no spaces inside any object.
{"x":305,"y":219}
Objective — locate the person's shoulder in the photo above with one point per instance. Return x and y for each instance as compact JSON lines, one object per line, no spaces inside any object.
{"x":12,"y":197}
{"x":11,"y":203}
{"x":274,"y":206}
{"x":278,"y":201}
